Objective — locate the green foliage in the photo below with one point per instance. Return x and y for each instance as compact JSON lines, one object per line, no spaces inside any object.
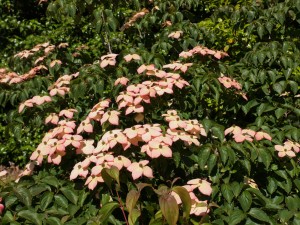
{"x":45,"y":198}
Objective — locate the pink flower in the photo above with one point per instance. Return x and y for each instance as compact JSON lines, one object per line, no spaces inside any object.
{"x":85,"y":126}
{"x":260,"y":135}
{"x":175,"y":34}
{"x":56,"y":157}
{"x":199,"y":208}
{"x":139,"y":169}
{"x":203,"y":186}
{"x":79,"y":170}
{"x":121,"y":161}
{"x":122,"y":80}
{"x":61,"y":91}
{"x":130,"y":57}
{"x":69,"y":113}
{"x":54,"y":62}
{"x":233,"y":129}
{"x":185,"y":54}
{"x":74,"y":140}
{"x":285,"y":150}
{"x":39,"y":154}
{"x":112,"y":117}
{"x":86,"y":147}
{"x":102,"y":146}
{"x":115,"y":136}
{"x":109,"y":59}
{"x":150,"y":131}
{"x":52,"y":118}
{"x":27,"y":103}
{"x":143,"y":67}
{"x":295,"y":146}
{"x":154,"y":149}
{"x":93,"y":180}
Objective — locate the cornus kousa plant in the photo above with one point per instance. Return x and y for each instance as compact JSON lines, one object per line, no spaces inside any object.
{"x":162,"y":117}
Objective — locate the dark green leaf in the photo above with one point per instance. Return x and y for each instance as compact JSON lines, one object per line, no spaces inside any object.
{"x":107,"y":210}
{"x":245,"y":200}
{"x":61,"y":201}
{"x":31,"y":216}
{"x":24,"y":195}
{"x":46,"y":200}
{"x":236,"y":217}
{"x":70,"y":194}
{"x":259,"y":215}
{"x":53,"y":221}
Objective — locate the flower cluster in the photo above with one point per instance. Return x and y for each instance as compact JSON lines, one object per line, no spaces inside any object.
{"x":175,"y":34}
{"x":228,"y":82}
{"x":36,"y":100}
{"x":202,"y":51}
{"x":178,"y":66}
{"x":26,"y":53}
{"x":61,"y":85}
{"x":14,"y":78}
{"x":109,"y":59}
{"x":134,"y":18}
{"x":241,"y":135}
{"x":130,"y":57}
{"x":289,"y":148}
{"x":134,"y":95}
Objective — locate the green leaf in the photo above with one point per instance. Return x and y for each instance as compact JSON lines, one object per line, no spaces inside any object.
{"x":293,"y":203}
{"x":114,"y":173}
{"x":211,"y":163}
{"x":31,"y":216}
{"x":70,"y":194}
{"x":23,"y":194}
{"x":285,"y":215}
{"x":272,"y":186}
{"x":236,"y":188}
{"x":236,"y":217}
{"x":294,"y":86}
{"x":8,"y":217}
{"x":260,"y":31}
{"x":131,"y":199}
{"x":37,"y":189}
{"x":51,"y":180}
{"x":106,"y":211}
{"x":223,"y":154}
{"x":227,"y":192}
{"x":259,"y":215}
{"x":53,"y":221}
{"x":10,"y":200}
{"x":169,"y":208}
{"x":46,"y":200}
{"x":245,"y":200}
{"x":133,"y":216}
{"x":61,"y":201}
{"x":218,"y":131}
{"x":264,"y":157}
{"x":82,"y":197}
{"x":280,"y":112}
{"x":203,"y":156}
{"x":185,"y":198}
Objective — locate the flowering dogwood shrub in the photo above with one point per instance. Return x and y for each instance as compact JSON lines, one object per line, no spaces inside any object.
{"x":173,"y":125}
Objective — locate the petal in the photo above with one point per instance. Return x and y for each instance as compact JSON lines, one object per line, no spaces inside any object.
{"x":138,"y":172}
{"x":147,"y":171}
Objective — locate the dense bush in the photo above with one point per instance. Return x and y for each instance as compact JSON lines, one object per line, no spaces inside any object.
{"x":204,"y":91}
